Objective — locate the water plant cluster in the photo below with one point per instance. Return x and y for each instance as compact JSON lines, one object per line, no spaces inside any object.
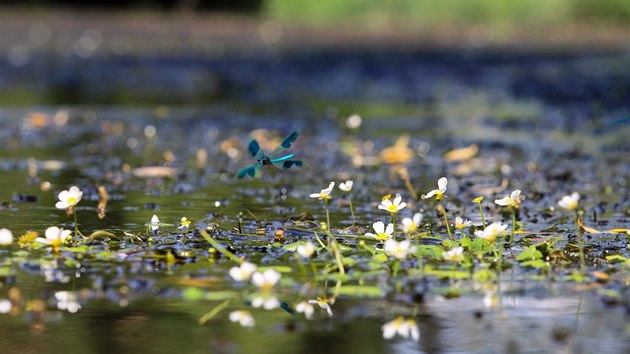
{"x":306,"y":265}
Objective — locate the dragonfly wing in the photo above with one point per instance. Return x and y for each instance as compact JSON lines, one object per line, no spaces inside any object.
{"x":286,"y":143}
{"x":254,"y":148}
{"x":287,"y":164}
{"x":249,"y":170}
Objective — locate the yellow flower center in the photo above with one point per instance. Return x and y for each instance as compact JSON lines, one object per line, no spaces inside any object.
{"x":382,"y":236}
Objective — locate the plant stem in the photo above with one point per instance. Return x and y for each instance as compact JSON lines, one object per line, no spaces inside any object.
{"x":513,"y":225}
{"x":220,"y":248}
{"x":351,"y":209}
{"x":448,"y":228}
{"x":483,"y":218}
{"x":327,"y":215}
{"x":76,"y":224}
{"x":580,"y":243}
{"x":394,"y":223}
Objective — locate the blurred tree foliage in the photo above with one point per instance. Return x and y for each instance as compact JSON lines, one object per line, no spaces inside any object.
{"x":247,"y":6}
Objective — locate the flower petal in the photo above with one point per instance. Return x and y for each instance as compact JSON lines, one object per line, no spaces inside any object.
{"x":442,"y":183}
{"x":379,"y":227}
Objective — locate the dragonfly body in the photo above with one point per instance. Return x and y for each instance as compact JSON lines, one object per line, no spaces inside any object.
{"x":278,"y":156}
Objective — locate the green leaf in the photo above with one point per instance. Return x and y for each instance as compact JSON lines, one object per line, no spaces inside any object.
{"x":192,"y":294}
{"x":210,"y":314}
{"x":103,"y":234}
{"x":360,"y":291}
{"x":446,"y":273}
{"x":484,"y":275}
{"x":535,"y":263}
{"x":530,"y":253}
{"x":278,"y":268}
{"x":380,"y":258}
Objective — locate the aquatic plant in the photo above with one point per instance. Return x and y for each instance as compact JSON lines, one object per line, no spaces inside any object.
{"x":242,"y":272}
{"x":325,"y":195}
{"x":55,"y":237}
{"x":411,"y":225}
{"x":439,"y":196}
{"x":399,"y":250}
{"x":6,"y":237}
{"x":68,"y":199}
{"x":306,"y":250}
{"x":347,"y":187}
{"x":392,"y":207}
{"x":478,"y":201}
{"x":569,"y":202}
{"x":382,"y":233}
{"x":407,"y":329}
{"x":243,"y":318}
{"x":512,"y":201}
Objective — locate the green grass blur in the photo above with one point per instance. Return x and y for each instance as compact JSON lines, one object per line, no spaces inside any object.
{"x":449,"y":12}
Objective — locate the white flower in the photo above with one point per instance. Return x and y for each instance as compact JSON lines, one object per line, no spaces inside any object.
{"x":461,"y":223}
{"x":6,"y":237}
{"x":184,"y":223}
{"x":243,"y":272}
{"x":306,"y":250}
{"x":323,"y":304}
{"x":400,"y":249}
{"x":55,"y":236}
{"x":346,"y":186}
{"x":266,"y":280}
{"x":394,"y":207}
{"x":570,"y":202}
{"x":513,"y":200}
{"x":491,"y":232}
{"x":67,"y":300}
{"x":324,"y":194}
{"x":410,"y":225}
{"x":5,"y":306}
{"x":454,"y":255}
{"x":404,"y":328}
{"x":266,"y":302}
{"x":69,"y":198}
{"x":382,"y":234}
{"x":243,"y":318}
{"x":305,"y":308}
{"x":155,"y":223}
{"x":438,"y":193}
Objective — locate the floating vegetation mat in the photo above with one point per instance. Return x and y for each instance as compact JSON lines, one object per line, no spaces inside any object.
{"x":409,"y":229}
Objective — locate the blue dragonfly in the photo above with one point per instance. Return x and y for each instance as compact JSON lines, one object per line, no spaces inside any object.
{"x":278,"y":157}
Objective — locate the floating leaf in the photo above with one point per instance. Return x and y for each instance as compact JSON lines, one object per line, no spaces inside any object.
{"x":398,"y":153}
{"x":462,"y":154}
{"x":590,"y":230}
{"x":102,"y":234}
{"x":619,"y":231}
{"x":154,"y":171}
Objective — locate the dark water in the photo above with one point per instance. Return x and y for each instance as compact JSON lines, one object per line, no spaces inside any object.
{"x":550,"y":122}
